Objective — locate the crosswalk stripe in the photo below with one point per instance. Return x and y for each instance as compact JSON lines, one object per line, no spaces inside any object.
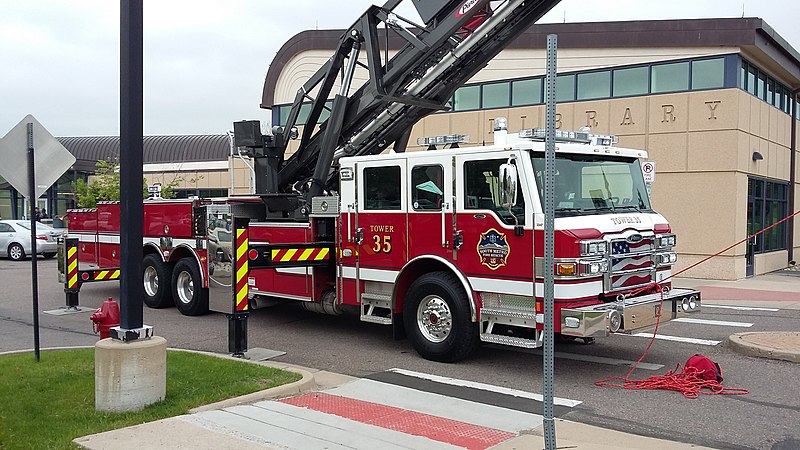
{"x":439,"y":405}
{"x":713,"y":322}
{"x":678,"y":339}
{"x":486,"y":387}
{"x":740,"y":308}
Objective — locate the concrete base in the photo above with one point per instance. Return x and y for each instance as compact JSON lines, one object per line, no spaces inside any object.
{"x":129,"y":375}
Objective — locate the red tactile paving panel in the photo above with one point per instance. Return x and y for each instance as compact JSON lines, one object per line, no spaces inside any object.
{"x":435,"y":428}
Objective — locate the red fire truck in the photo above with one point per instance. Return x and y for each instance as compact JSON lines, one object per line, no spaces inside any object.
{"x":445,"y":245}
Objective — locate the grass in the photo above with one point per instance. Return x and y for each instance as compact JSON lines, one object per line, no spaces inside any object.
{"x":49,"y":403}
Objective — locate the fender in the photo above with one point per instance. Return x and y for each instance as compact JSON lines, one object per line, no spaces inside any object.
{"x":155,"y":249}
{"x":464,"y":282}
{"x":191,"y":250}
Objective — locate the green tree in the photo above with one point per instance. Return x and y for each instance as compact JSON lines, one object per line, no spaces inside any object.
{"x":104,"y":185}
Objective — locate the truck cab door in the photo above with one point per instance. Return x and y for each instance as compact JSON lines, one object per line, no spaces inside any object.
{"x":497,"y":252}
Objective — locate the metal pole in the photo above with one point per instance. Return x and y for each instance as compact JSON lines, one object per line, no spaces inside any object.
{"x":549,"y":245}
{"x":34,"y":265}
{"x":130,"y":155}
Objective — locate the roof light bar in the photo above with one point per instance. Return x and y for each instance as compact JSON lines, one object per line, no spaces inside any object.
{"x":584,"y":137}
{"x":443,"y":139}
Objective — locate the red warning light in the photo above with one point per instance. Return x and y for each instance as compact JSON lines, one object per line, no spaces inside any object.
{"x":252,"y":254}
{"x":84,"y":276}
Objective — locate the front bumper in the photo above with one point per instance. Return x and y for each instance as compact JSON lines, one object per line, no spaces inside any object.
{"x":629,"y":315}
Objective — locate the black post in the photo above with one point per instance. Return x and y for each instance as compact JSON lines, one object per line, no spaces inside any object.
{"x":34,"y":268}
{"x":130,"y":156}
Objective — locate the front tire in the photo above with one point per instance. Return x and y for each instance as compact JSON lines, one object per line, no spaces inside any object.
{"x":190,"y":297}
{"x":156,"y":277}
{"x":436,"y":315}
{"x":48,"y":255}
{"x":16,"y":252}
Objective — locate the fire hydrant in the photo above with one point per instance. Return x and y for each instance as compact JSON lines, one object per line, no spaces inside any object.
{"x":105,"y":317}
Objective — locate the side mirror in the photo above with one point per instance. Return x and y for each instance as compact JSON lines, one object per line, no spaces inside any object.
{"x":508,"y":185}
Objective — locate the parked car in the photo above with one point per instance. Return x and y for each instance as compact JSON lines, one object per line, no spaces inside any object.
{"x":15,"y":239}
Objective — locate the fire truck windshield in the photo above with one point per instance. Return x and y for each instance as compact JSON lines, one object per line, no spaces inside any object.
{"x":593,"y":184}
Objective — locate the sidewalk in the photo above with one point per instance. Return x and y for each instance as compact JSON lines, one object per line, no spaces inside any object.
{"x":325,"y":410}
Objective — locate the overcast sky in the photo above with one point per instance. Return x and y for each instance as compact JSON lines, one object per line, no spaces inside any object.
{"x":205,"y":60}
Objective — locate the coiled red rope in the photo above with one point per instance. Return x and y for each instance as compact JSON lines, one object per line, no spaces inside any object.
{"x":689,"y":380}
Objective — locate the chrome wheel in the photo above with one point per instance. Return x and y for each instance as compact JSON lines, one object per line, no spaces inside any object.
{"x":434,"y":318}
{"x":184,"y":287}
{"x":150,"y":281}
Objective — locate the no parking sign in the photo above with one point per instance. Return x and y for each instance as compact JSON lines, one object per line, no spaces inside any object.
{"x":649,"y":171}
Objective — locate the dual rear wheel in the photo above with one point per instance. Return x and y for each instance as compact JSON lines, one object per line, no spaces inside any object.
{"x":181,"y":285}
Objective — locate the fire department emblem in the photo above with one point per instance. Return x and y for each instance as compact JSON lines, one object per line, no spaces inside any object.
{"x":493,"y":249}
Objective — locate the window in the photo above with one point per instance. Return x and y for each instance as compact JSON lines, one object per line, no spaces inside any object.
{"x":481,"y":184}
{"x":467,"y":98}
{"x":427,"y":187}
{"x":6,"y":228}
{"x":200,"y":193}
{"x":633,"y":81}
{"x":670,"y":77}
{"x":761,"y":83}
{"x":382,"y":188}
{"x":743,"y":76}
{"x":594,"y":85}
{"x":588,"y":184}
{"x":751,"y":80}
{"x":768,"y":206}
{"x":708,"y":73}
{"x":770,"y":91}
{"x":565,"y":88}
{"x":526,"y":92}
{"x":495,"y":95}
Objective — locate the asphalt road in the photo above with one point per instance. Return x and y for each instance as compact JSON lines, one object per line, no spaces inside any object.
{"x":766,"y":418}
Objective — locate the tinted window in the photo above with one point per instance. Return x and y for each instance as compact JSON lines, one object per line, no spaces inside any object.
{"x":482,"y":190}
{"x":708,"y":74}
{"x":427,"y":187}
{"x":670,"y":77}
{"x":632,"y":81}
{"x":565,"y":88}
{"x":526,"y":92}
{"x":466,"y":98}
{"x":5,"y":228}
{"x":495,"y":95}
{"x":594,"y":85}
{"x":382,"y":188}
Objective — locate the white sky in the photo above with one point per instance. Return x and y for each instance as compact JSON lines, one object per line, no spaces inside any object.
{"x":205,"y":60}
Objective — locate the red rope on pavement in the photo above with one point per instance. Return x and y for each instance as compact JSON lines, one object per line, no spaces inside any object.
{"x":688,"y":382}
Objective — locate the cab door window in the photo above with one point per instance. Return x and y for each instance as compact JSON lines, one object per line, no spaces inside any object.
{"x":427,"y":187}
{"x":482,"y":190}
{"x":382,"y":188}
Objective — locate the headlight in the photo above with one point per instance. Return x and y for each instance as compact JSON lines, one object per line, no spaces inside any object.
{"x":666,"y":240}
{"x":666,"y":259}
{"x":593,"y":268}
{"x":593,"y":248}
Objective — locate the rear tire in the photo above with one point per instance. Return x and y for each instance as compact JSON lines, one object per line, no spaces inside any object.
{"x":437,"y":318}
{"x":16,"y":252}
{"x":156,"y":278}
{"x":190,"y":297}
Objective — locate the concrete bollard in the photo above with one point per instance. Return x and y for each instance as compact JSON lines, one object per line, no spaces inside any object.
{"x":129,"y":375}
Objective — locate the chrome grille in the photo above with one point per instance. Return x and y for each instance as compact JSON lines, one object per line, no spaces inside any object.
{"x":631,"y":262}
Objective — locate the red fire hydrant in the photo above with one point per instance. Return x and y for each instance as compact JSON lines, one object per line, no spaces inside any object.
{"x":105,"y":317}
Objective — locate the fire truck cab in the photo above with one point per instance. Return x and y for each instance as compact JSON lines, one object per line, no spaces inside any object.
{"x":447,"y":244}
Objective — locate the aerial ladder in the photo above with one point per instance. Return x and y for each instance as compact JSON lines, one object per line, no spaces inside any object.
{"x":457,"y":39}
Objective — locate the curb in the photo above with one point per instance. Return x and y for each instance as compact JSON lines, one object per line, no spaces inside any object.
{"x":739,"y":344}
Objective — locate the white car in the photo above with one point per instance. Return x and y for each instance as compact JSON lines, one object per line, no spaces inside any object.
{"x":15,"y":239}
